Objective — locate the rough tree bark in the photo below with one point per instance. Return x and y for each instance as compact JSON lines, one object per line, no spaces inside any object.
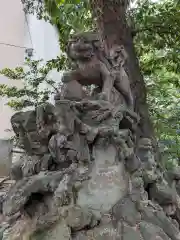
{"x":111,"y":21}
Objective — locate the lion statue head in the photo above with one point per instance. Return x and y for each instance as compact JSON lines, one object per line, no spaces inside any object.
{"x":83,"y":46}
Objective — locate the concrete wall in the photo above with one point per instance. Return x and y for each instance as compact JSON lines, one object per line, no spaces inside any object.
{"x":11,"y":32}
{"x":5,"y":156}
{"x":18,"y":32}
{"x":12,"y":55}
{"x":23,"y":32}
{"x":44,"y":39}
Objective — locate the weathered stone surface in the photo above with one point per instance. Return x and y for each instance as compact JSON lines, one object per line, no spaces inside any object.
{"x":150,"y":231}
{"x":25,"y":128}
{"x":159,"y":218}
{"x":72,"y":91}
{"x":132,"y":163}
{"x":108,"y":181}
{"x":106,"y":232}
{"x":163,"y":194}
{"x":57,"y":232}
{"x":126,"y":210}
{"x":178,"y":187}
{"x":6,"y":147}
{"x":174,"y":174}
{"x":78,"y":218}
{"x":20,"y":193}
{"x":131,"y":233}
{"x":29,"y":165}
{"x":103,"y":232}
{"x":82,"y":177}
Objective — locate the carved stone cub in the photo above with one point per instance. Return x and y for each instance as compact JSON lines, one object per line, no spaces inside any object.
{"x":94,"y":67}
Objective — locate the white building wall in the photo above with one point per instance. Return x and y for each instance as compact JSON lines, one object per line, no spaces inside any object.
{"x":44,"y":39}
{"x":22,"y":32}
{"x":11,"y":33}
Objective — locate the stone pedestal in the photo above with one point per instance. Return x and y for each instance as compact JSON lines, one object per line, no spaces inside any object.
{"x":108,"y":182}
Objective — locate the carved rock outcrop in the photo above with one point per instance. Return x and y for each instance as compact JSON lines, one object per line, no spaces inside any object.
{"x":81,"y":176}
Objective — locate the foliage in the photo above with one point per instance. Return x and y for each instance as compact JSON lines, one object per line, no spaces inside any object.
{"x":35,"y":7}
{"x":67,"y":15}
{"x":37,"y":86}
{"x":156,"y":26}
{"x":70,"y":16}
{"x":157,"y":43}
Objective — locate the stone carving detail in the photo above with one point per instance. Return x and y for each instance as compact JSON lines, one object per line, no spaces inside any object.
{"x":93,"y":67}
{"x":81,"y":176}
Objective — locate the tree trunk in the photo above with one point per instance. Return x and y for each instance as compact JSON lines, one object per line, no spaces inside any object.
{"x":111,"y":21}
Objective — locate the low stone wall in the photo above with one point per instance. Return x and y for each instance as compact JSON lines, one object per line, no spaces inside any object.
{"x":6,"y":146}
